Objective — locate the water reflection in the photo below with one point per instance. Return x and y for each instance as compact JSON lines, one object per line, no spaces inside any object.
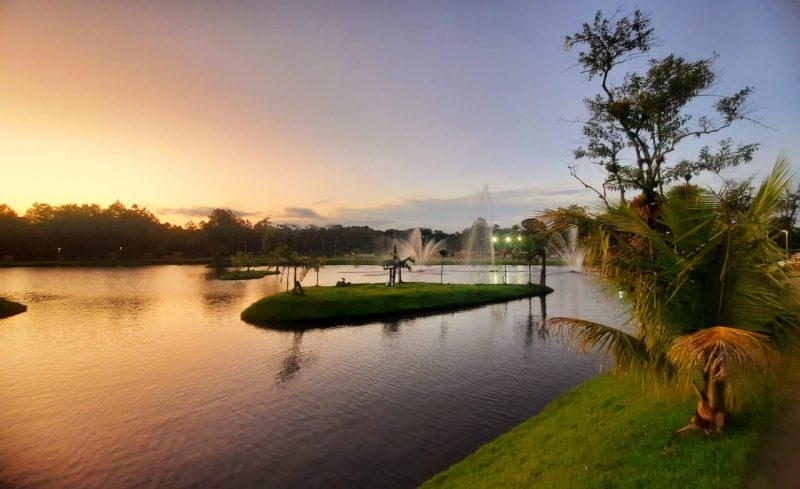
{"x":391,"y":329}
{"x":147,"y":377}
{"x":536,"y":322}
{"x":293,"y":360}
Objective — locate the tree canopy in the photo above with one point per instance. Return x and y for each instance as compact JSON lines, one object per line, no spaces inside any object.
{"x":634,"y":126}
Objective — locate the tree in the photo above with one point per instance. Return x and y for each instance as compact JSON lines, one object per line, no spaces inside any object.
{"x":242,"y":259}
{"x":710,"y":307}
{"x":633,"y":127}
{"x":223,"y":231}
{"x":290,"y":259}
{"x":534,"y":244}
{"x":316,"y":263}
{"x":443,"y":254}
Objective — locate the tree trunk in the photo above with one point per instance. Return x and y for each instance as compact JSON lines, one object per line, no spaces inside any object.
{"x":710,"y":413}
{"x":543,"y":274}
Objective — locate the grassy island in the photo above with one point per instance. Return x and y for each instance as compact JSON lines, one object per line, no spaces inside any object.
{"x":605,"y":433}
{"x":361,"y":302}
{"x":246,"y":274}
{"x":10,"y":308}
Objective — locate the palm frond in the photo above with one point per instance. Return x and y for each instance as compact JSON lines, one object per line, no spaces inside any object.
{"x":627,"y":350}
{"x":741,"y":356}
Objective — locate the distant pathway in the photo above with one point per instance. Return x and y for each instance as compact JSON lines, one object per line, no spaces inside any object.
{"x":780,"y":464}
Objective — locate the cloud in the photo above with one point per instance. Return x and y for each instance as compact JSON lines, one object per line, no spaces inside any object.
{"x":301,"y":213}
{"x":452,"y":214}
{"x":508,"y":207}
{"x":201,"y":211}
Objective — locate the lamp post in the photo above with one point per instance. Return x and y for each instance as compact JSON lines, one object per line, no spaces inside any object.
{"x":786,"y":242}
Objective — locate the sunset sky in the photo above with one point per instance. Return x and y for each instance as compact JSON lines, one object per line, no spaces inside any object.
{"x":390,"y":114}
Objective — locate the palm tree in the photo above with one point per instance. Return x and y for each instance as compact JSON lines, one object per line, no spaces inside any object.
{"x":443,"y":254}
{"x":710,"y":306}
{"x":316,"y":263}
{"x":287,"y":257}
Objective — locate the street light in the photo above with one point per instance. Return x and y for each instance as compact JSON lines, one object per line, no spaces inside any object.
{"x":786,"y":243}
{"x":508,"y":239}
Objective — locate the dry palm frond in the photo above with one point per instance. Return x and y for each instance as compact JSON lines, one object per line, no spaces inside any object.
{"x":738,"y":356}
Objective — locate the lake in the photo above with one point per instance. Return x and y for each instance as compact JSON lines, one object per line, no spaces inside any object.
{"x":146,"y":377}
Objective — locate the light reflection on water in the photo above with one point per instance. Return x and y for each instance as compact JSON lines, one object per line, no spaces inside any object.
{"x":146,"y":377}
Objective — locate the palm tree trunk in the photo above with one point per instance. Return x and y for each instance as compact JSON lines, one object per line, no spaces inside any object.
{"x":543,"y":274}
{"x":710,"y":413}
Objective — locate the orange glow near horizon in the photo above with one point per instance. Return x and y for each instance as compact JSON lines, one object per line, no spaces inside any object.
{"x":95,"y":112}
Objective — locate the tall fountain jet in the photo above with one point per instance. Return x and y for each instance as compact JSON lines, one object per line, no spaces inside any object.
{"x":568,"y":250}
{"x":480,"y":240}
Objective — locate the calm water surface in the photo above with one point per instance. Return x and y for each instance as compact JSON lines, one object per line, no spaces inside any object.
{"x":146,"y":377}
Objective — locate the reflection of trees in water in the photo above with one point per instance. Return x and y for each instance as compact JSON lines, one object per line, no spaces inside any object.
{"x":538,"y":323}
{"x":499,"y":312}
{"x":295,"y":359}
{"x":391,"y":329}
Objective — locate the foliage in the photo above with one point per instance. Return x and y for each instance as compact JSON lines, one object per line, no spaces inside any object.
{"x":246,"y":275}
{"x":224,"y":232}
{"x":359,"y":302}
{"x":242,"y":259}
{"x":608,"y":433}
{"x":700,"y":266}
{"x":633,"y":127}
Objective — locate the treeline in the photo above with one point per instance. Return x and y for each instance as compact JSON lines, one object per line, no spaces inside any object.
{"x":91,"y":232}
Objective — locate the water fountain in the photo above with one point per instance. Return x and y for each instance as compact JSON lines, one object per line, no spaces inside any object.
{"x":413,"y":246}
{"x":568,"y":251}
{"x":480,"y":238}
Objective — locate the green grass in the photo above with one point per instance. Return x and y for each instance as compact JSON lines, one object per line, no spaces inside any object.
{"x":246,"y":274}
{"x":336,"y":305}
{"x":606,"y":433}
{"x":10,"y":308}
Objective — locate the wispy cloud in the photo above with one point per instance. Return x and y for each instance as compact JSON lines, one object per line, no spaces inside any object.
{"x":453,"y":214}
{"x":201,"y":211}
{"x":301,"y":213}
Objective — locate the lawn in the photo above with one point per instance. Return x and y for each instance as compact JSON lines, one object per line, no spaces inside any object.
{"x":336,"y":305}
{"x":607,"y":433}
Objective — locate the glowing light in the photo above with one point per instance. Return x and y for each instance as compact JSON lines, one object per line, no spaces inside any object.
{"x":508,"y":239}
{"x":494,"y":239}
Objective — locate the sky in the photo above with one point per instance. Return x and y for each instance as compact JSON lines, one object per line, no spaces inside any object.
{"x":389,"y":114}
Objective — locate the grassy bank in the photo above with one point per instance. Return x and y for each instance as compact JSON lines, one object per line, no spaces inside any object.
{"x":607,"y":433}
{"x":10,"y":308}
{"x":246,"y":274}
{"x":336,"y":305}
